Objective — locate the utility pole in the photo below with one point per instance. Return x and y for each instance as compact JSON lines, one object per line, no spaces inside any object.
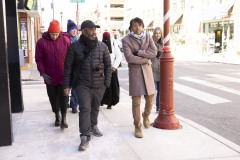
{"x":52,"y":6}
{"x":166,"y":118}
{"x":77,"y":15}
{"x":61,"y":14}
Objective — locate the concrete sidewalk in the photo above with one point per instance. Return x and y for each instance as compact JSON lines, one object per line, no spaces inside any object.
{"x":36,"y":137}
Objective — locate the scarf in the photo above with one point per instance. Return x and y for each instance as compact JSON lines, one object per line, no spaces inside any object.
{"x":138,"y":37}
{"x":73,"y":38}
{"x":89,"y":44}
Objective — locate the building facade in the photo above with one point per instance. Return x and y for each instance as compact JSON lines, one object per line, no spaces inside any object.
{"x":211,"y":24}
{"x":28,"y":31}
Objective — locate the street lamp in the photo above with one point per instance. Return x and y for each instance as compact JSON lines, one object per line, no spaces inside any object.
{"x":166,"y":117}
{"x":223,"y":14}
{"x":52,"y":6}
{"x":61,"y":14}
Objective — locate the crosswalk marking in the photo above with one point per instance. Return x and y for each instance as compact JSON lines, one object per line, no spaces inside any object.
{"x":122,"y":68}
{"x":227,"y":78}
{"x":123,"y":79}
{"x":229,"y":70}
{"x":203,"y":96}
{"x":237,"y":73}
{"x":212,"y":85}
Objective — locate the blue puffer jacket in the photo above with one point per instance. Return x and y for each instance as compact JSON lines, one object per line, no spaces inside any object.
{"x":92,"y":71}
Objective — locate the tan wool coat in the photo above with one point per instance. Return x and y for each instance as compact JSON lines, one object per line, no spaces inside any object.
{"x":141,"y":80}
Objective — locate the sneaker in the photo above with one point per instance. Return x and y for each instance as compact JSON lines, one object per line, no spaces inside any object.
{"x":84,"y":143}
{"x":95,"y":131}
{"x":74,"y":110}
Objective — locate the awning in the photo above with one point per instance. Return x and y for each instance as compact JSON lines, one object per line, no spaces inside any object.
{"x":30,"y":13}
{"x":176,"y":19}
{"x":216,"y":12}
{"x":147,"y":22}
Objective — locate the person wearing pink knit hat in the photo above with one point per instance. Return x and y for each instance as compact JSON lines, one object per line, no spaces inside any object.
{"x":51,"y":50}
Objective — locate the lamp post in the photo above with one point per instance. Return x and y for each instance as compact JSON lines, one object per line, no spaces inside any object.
{"x":61,"y":14}
{"x":223,"y":14}
{"x":77,"y":14}
{"x":52,"y":6}
{"x":166,"y":118}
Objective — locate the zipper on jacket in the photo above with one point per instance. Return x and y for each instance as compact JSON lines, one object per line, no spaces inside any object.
{"x":91,"y":70}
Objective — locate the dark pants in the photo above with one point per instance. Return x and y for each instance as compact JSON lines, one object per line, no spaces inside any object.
{"x":57,"y":98}
{"x":111,"y":95}
{"x":89,"y":103}
{"x":73,"y":99}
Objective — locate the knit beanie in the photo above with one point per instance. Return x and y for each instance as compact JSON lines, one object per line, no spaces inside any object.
{"x":106,"y":39}
{"x":54,"y":27}
{"x":106,"y":34}
{"x":71,"y":25}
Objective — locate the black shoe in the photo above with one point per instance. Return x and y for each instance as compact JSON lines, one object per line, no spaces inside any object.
{"x":74,"y":110}
{"x":57,"y":123}
{"x":64,"y":121}
{"x":95,"y":131}
{"x":64,"y":125}
{"x":84,"y":143}
{"x":109,"y":107}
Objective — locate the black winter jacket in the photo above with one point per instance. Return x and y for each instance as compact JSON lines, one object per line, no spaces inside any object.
{"x":92,"y":71}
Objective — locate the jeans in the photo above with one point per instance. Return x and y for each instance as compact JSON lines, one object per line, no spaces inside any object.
{"x":73,"y":99}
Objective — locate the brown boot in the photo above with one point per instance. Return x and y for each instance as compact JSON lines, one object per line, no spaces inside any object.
{"x":138,"y":131}
{"x":146,"y":122}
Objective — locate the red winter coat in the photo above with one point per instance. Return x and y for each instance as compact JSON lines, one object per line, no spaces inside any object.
{"x":50,"y":56}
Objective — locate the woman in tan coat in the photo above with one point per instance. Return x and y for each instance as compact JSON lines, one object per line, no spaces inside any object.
{"x":139,"y":48}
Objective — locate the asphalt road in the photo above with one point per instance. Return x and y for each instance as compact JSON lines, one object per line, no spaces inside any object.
{"x":207,"y":93}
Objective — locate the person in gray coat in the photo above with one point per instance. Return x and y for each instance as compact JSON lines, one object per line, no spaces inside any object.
{"x":157,"y":38}
{"x":138,"y":49}
{"x":88,"y":70}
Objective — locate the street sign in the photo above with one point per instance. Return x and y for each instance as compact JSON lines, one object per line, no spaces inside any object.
{"x":79,"y":1}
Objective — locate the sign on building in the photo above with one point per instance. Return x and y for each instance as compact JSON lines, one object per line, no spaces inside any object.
{"x":79,"y":1}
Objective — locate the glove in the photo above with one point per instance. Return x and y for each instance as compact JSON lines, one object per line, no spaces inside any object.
{"x":135,"y":53}
{"x":47,"y":79}
{"x":159,"y":54}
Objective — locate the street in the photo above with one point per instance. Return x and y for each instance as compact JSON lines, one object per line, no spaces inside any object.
{"x":206,"y":93}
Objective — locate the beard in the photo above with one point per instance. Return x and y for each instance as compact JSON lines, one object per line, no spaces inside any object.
{"x":91,"y":37}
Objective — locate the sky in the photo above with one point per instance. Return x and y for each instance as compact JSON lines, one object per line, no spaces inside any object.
{"x":68,"y":9}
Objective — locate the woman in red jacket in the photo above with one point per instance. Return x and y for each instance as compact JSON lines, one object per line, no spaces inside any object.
{"x":51,"y":50}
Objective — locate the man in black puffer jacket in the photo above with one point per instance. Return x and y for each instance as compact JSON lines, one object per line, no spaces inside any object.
{"x":87,"y":69}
